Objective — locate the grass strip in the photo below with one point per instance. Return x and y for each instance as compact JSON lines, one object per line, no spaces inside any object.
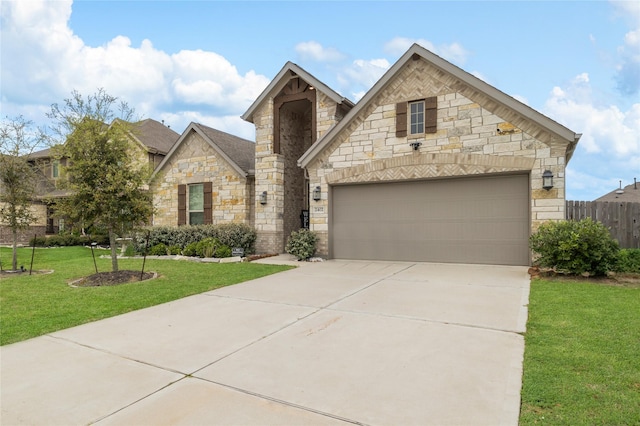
{"x":582,"y":355}
{"x":34,"y":305}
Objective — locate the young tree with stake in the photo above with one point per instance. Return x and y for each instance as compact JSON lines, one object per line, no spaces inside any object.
{"x":18,"y":139}
{"x":106,"y":185}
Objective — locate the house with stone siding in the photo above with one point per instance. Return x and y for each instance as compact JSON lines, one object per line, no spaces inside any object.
{"x":150,"y":142}
{"x":206,"y":178}
{"x":432,"y":164}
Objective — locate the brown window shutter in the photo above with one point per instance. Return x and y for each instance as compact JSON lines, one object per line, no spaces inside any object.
{"x":208,"y":208}
{"x":431,"y":115}
{"x":401,"y":119}
{"x":182,"y":205}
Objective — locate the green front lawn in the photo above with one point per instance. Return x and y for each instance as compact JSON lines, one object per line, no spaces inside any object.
{"x":38,"y":304}
{"x":582,"y":354}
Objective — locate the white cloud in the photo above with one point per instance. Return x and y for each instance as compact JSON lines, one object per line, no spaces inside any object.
{"x":201,"y":77}
{"x":233,"y":124}
{"x":453,"y":52}
{"x":43,"y":61}
{"x":628,"y":67}
{"x":314,"y":51}
{"x":609,"y":148}
{"x":605,"y":128}
{"x":362,"y":74}
{"x":627,"y":9}
{"x":632,"y":39}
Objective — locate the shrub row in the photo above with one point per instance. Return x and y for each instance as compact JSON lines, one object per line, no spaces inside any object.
{"x":628,"y":261}
{"x":182,"y":239}
{"x":579,"y":247}
{"x":62,"y":240}
{"x":208,"y":247}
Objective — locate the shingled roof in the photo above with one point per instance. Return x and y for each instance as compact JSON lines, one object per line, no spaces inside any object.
{"x":154,"y":135}
{"x":630,"y":193}
{"x":43,"y":153}
{"x":238,"y":152}
{"x":241,"y":151}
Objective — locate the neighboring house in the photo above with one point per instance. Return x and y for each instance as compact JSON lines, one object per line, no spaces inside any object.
{"x":151,"y":140}
{"x":618,"y":211}
{"x":154,"y":140}
{"x":206,"y":178}
{"x":630,"y":194}
{"x":432,"y":164}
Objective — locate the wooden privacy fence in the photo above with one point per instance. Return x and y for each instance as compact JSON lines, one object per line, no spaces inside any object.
{"x":622,"y":218}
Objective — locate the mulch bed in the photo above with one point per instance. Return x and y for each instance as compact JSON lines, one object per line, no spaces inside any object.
{"x":113,"y":278}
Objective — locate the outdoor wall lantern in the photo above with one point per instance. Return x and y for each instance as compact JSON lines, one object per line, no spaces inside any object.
{"x":316,"y":193}
{"x":547,"y":180}
{"x":263,"y":198}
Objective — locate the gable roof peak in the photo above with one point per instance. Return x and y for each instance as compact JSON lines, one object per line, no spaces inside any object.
{"x":288,"y":72}
{"x":462,"y":79}
{"x":237,"y":151}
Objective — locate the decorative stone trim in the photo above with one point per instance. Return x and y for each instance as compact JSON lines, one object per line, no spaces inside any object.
{"x":429,"y":165}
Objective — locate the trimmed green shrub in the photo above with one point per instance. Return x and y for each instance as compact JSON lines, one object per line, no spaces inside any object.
{"x":174,"y":250}
{"x":129,"y":251}
{"x":302,"y":244}
{"x":207,"y":247}
{"x":190,"y":249}
{"x":628,"y":261}
{"x":237,"y":235}
{"x":230,"y":234}
{"x":158,"y":250}
{"x":38,"y":241}
{"x":68,"y":239}
{"x":223,"y":251}
{"x":575,"y":247}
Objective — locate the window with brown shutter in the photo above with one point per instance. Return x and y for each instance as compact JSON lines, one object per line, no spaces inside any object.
{"x":431,"y":114}
{"x":208,"y":208}
{"x":401,"y":119}
{"x":182,"y":205}
{"x":417,"y":117}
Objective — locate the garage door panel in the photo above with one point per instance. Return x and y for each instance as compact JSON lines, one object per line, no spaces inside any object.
{"x":478,"y":220}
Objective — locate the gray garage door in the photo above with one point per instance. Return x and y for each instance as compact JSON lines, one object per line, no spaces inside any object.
{"x":465,"y":220}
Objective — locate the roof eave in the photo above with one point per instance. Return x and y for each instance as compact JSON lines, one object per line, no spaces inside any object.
{"x":460,"y":74}
{"x":185,"y":134}
{"x":288,"y":72}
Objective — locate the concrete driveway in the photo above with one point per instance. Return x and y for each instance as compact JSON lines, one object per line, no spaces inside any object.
{"x":334,"y":342}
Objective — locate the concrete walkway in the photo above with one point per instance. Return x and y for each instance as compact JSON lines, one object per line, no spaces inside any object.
{"x":336,"y":342}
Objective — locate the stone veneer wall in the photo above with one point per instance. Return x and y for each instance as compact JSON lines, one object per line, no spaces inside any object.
{"x":195,"y":161}
{"x":38,"y":226}
{"x":475,"y":140}
{"x":295,"y":134}
{"x":270,"y":169}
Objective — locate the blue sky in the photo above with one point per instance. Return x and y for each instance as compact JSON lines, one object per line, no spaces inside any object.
{"x":577,"y":62}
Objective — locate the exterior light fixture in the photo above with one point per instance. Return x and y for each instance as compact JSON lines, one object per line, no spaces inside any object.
{"x":263,"y":198}
{"x":316,"y":193}
{"x":415,"y":145}
{"x":547,"y":180}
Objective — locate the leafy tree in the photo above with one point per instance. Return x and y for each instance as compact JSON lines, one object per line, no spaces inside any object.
{"x":18,"y":139}
{"x":105,"y":182}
